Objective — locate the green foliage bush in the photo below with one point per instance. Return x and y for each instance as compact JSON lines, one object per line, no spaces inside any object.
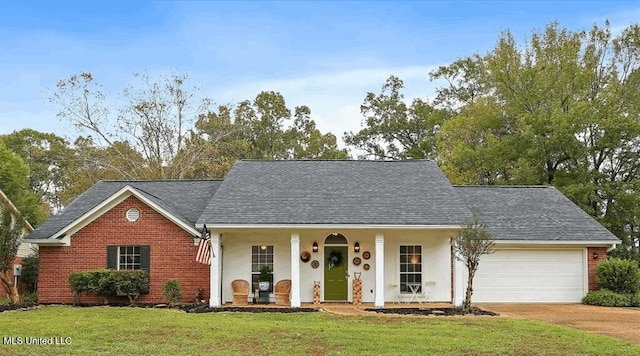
{"x":30,"y":272}
{"x":106,"y":283}
{"x":132,"y":284}
{"x":607,"y":298}
{"x":30,"y":298}
{"x":172,"y":291}
{"x":79,"y":283}
{"x":620,"y":276}
{"x":635,"y":300}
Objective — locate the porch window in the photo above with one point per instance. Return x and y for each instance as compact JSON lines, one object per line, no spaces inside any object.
{"x":261,"y":256}
{"x":128,"y":257}
{"x":410,"y":268}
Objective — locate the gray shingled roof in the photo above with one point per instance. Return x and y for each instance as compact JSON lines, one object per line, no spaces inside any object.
{"x":351,"y":192}
{"x":335,"y":192}
{"x":537,"y":213}
{"x":185,"y":199}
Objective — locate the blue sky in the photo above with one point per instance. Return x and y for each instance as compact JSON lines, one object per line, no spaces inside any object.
{"x":326,"y":55}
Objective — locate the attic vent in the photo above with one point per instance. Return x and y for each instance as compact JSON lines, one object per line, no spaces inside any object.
{"x":133,"y":214}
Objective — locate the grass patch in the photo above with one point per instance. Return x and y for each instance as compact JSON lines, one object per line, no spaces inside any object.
{"x":104,"y":330}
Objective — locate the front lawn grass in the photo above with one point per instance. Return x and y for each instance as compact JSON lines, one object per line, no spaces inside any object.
{"x":105,"y":330}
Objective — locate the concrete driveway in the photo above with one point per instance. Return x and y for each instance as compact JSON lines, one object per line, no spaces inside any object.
{"x":622,"y":323}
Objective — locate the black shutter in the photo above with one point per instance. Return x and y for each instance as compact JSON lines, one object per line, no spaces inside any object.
{"x":112,"y":257}
{"x":144,"y":258}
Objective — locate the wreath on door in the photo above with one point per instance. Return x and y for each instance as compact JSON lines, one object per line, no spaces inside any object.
{"x":335,"y":259}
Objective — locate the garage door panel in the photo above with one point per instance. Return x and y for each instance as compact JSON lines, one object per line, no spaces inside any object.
{"x":530,"y":276}
{"x":535,"y":282}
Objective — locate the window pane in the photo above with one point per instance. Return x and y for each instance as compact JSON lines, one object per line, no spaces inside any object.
{"x":129,"y":257}
{"x":410,"y":268}
{"x":259,"y":258}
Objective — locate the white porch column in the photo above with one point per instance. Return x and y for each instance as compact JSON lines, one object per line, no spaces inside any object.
{"x":379,"y":296}
{"x":458,"y":278}
{"x":295,"y":270}
{"x":214,"y":274}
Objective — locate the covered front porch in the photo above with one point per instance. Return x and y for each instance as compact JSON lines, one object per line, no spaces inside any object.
{"x":393,"y":265}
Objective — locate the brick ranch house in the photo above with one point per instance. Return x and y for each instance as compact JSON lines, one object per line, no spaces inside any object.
{"x":391,"y":223}
{"x":25,"y":249}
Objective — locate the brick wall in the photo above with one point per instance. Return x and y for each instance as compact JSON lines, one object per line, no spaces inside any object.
{"x":592,"y":263}
{"x":21,"y":287}
{"x":172,"y":255}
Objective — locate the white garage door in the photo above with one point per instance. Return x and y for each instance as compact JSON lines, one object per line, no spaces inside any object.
{"x":530,"y":276}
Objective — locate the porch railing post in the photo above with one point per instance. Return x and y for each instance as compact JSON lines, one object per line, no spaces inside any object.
{"x":214,"y":274}
{"x":379,"y":295}
{"x":295,"y":270}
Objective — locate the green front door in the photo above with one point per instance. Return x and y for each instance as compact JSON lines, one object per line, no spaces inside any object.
{"x":335,"y":273}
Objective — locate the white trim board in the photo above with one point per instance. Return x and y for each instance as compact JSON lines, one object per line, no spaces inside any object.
{"x":104,"y":206}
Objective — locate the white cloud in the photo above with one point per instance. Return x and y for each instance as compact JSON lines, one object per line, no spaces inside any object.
{"x":323,"y":81}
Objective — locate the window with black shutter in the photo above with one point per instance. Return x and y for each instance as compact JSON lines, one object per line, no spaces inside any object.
{"x":128,"y":257}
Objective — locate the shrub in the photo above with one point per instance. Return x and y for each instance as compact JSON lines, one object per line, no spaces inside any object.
{"x":107,"y":280}
{"x":199,"y":295}
{"x":620,"y":276}
{"x":79,"y":283}
{"x":635,"y":300}
{"x":607,"y":298}
{"x":30,"y":272}
{"x":172,"y":291}
{"x":106,"y":283}
{"x":132,"y":284}
{"x":30,"y":298}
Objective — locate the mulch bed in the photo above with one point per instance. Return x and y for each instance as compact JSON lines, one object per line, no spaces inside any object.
{"x":17,"y":306}
{"x":204,"y":308}
{"x":207,"y":309}
{"x":432,"y":311}
{"x":186,"y":307}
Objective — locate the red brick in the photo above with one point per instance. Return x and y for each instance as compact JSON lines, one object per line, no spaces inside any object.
{"x":172,"y":254}
{"x":592,"y":263}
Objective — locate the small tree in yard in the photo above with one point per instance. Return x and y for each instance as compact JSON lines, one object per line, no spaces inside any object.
{"x":471,"y":243}
{"x":10,"y":235}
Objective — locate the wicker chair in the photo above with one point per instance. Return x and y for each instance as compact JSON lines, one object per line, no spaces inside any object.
{"x":240,"y":291}
{"x":281,"y":291}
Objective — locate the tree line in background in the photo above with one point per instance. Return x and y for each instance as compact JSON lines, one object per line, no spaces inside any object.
{"x":562,"y":108}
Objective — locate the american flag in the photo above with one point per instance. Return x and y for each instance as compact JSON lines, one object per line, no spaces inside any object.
{"x":204,"y":248}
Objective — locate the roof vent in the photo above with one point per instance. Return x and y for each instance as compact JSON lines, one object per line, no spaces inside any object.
{"x":133,"y":214}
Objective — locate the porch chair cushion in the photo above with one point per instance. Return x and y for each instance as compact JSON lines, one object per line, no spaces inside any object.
{"x":281,"y":291}
{"x":240,"y":289}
